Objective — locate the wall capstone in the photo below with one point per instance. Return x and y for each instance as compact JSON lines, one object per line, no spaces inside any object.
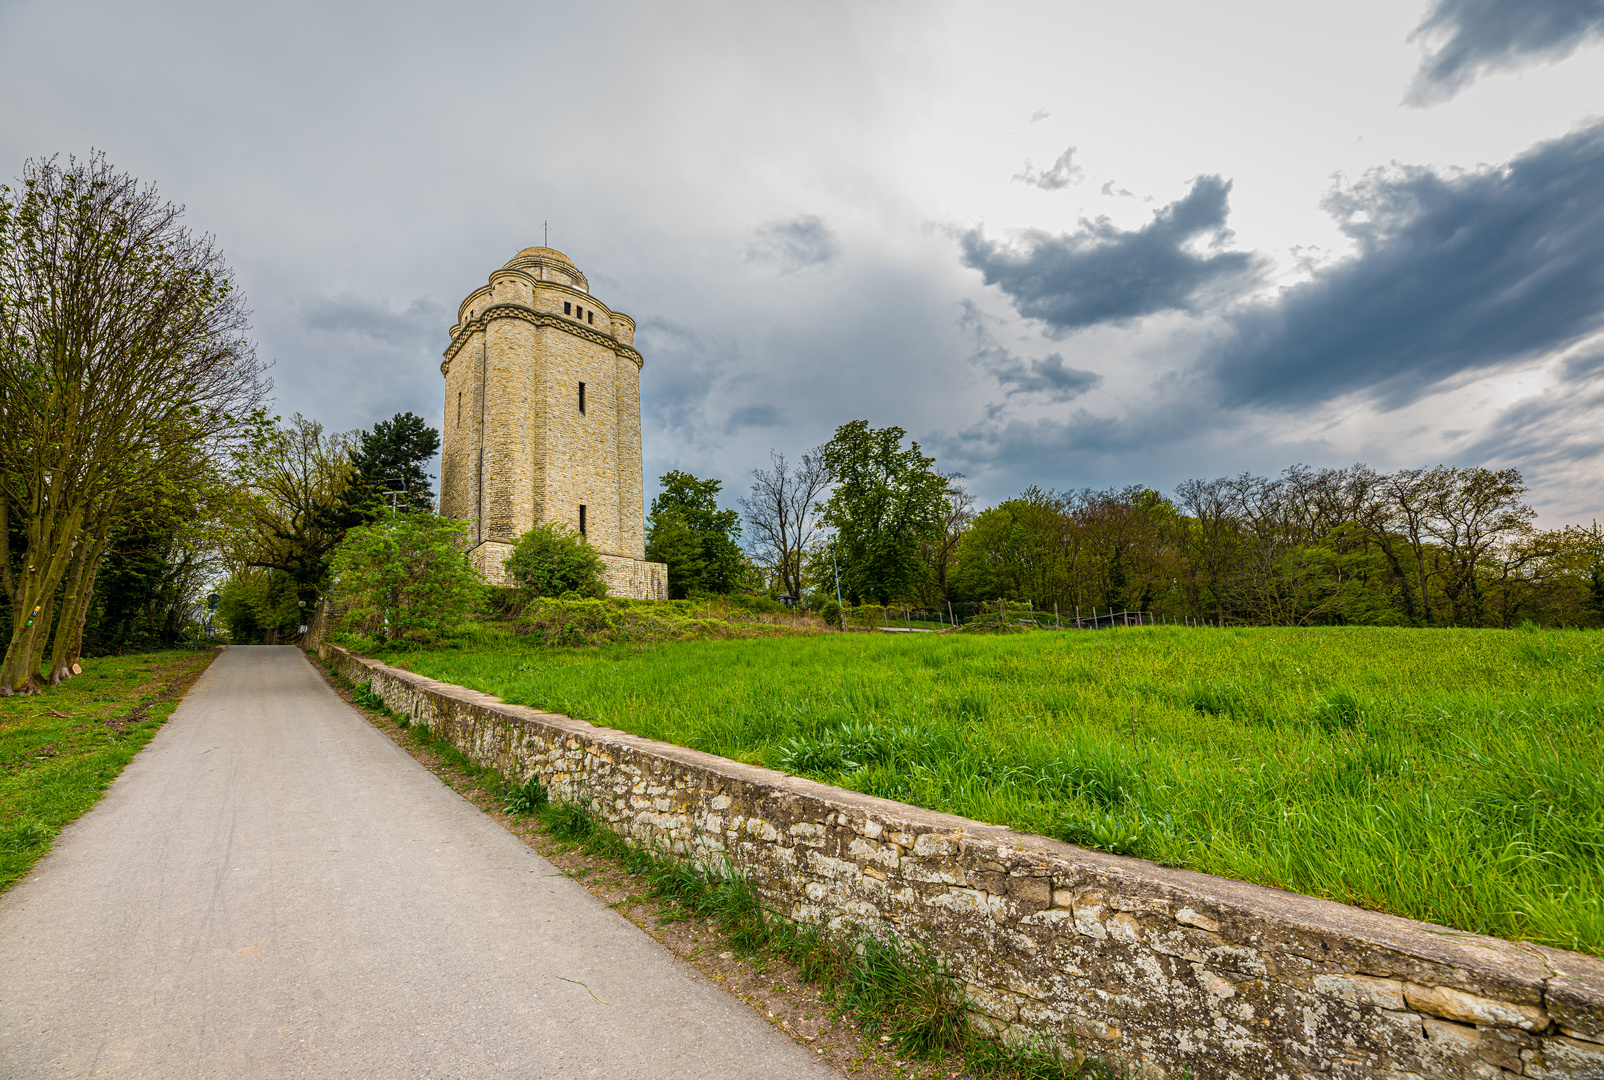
{"x":1165,"y":970}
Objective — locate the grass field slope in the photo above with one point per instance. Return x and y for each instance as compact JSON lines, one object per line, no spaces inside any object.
{"x":1446,"y":775}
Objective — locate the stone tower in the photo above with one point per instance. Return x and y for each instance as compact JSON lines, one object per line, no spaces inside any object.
{"x":542,"y":420}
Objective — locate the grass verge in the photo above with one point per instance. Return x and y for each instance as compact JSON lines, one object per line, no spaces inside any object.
{"x":62,"y":747}
{"x":881,"y":1009}
{"x":1454,"y":776}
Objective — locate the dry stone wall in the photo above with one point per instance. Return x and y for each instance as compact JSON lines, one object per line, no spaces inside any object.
{"x":1164,"y":970}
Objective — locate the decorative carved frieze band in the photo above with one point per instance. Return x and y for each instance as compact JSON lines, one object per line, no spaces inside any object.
{"x":537,"y":318}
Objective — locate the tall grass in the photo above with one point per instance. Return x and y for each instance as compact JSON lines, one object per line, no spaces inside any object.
{"x":1452,"y":776}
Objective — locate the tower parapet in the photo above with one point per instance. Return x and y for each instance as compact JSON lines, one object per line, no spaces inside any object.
{"x":542,"y":421}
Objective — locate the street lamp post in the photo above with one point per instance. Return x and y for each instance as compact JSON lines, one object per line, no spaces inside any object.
{"x":837,"y":571}
{"x":394,"y":486}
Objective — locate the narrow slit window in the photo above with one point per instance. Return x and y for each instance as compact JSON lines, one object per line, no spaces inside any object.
{"x":590,"y":317}
{"x":581,"y":397}
{"x":459,"y":406}
{"x":568,"y":307}
{"x":581,"y":519}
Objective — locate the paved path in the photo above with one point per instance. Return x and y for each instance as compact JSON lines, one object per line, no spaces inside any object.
{"x":274,"y":888}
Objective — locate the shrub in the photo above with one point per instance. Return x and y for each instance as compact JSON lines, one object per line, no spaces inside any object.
{"x":405,"y":577}
{"x":830,"y":611}
{"x":551,"y":559}
{"x":525,"y":798}
{"x":364,"y":696}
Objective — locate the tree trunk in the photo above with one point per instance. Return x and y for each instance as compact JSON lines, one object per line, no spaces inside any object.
{"x":49,"y":553}
{"x":75,"y":606}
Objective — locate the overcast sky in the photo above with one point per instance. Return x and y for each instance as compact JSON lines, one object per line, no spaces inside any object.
{"x":1066,"y":244}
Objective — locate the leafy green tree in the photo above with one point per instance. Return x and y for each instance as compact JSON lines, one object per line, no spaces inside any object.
{"x":1018,"y":549}
{"x":123,"y":360}
{"x":888,"y":503}
{"x":687,"y":531}
{"x":406,"y":577}
{"x":396,"y":449}
{"x":289,"y":481}
{"x":257,"y":605}
{"x":152,"y":571}
{"x":552,"y":559}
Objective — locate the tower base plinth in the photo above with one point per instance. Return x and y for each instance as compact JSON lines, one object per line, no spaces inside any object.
{"x":633,"y":579}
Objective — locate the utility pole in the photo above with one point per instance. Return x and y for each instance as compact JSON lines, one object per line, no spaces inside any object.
{"x":837,"y":570}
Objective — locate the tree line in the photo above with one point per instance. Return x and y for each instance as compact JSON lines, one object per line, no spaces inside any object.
{"x":1443,"y":546}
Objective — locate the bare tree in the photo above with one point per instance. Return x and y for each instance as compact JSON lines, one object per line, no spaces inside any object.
{"x":122,"y":356}
{"x":1474,"y":514}
{"x":780,"y":514}
{"x":1213,"y":537}
{"x":940,"y":551}
{"x":1412,"y":493}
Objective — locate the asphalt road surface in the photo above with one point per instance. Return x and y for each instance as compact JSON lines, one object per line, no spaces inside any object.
{"x":275,"y":889}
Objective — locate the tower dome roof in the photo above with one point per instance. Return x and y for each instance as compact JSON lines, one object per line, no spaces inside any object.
{"x":556,"y":266}
{"x":541,"y":253}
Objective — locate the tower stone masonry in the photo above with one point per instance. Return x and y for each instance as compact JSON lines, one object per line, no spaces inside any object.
{"x":542,"y":421}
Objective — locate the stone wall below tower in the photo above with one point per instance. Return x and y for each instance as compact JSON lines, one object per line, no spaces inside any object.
{"x":634,"y":579}
{"x":488,"y":557}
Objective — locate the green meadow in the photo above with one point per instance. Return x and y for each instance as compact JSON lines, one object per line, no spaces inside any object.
{"x":1455,"y":776}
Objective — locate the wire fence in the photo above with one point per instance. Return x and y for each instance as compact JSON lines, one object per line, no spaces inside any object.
{"x":912,"y":618}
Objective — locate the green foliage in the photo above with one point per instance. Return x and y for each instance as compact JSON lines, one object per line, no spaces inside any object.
{"x":251,"y":604}
{"x":1444,"y":775}
{"x":398,"y":448}
{"x":570,"y":822}
{"x":525,"y":798}
{"x":124,"y":370}
{"x":553,"y":560}
{"x":687,"y":531}
{"x":888,"y":502}
{"x":406,"y":578}
{"x":830,"y":611}
{"x":1016,"y":549}
{"x":288,"y":481}
{"x":363,"y":695}
{"x":902,"y":991}
{"x":143,"y":589}
{"x":616,"y":620}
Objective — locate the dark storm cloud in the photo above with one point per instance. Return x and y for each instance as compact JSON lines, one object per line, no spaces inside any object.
{"x":1454,"y":273}
{"x":1079,"y":448}
{"x":793,"y":245}
{"x":680,"y":374}
{"x":1103,"y":274}
{"x":1063,"y":173}
{"x":1049,"y":377}
{"x":1476,"y":37}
